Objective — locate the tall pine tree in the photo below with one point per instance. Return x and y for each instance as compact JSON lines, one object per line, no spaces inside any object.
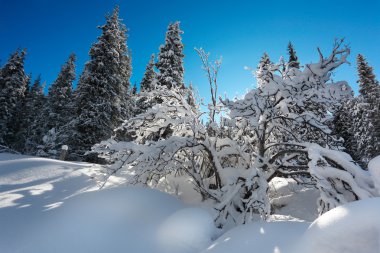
{"x":60,"y":109}
{"x":103,"y":88}
{"x":368,"y":138}
{"x":33,"y":120}
{"x":358,"y":120}
{"x":149,"y":80}
{"x":170,"y":58}
{"x":263,"y":72}
{"x":13,"y":84}
{"x":293,"y":59}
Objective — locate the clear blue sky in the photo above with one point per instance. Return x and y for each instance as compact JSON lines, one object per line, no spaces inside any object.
{"x":240,"y":31}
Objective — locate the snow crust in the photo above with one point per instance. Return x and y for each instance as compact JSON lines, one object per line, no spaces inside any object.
{"x":188,"y":230}
{"x":351,"y":228}
{"x":374,"y":169}
{"x":263,"y":237}
{"x":55,"y":206}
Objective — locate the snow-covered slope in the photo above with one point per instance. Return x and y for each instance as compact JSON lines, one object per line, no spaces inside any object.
{"x":53,"y":206}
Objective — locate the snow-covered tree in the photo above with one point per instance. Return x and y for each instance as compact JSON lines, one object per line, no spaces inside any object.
{"x":368,"y":85}
{"x":289,"y":111}
{"x":370,"y":90}
{"x":103,"y":88}
{"x":170,"y":59}
{"x":358,"y":120}
{"x":293,"y":59}
{"x":34,"y":117}
{"x":13,"y":84}
{"x":263,"y":72}
{"x":60,"y":107}
{"x":149,"y":80}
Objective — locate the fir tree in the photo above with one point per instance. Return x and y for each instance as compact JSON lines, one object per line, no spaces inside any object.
{"x":134,"y":90}
{"x":149,"y":80}
{"x":358,"y":120}
{"x":13,"y":84}
{"x":263,"y":72}
{"x":60,"y":95}
{"x":367,"y":129}
{"x":34,"y":117}
{"x":103,"y":88}
{"x":293,"y":59}
{"x":170,"y":58}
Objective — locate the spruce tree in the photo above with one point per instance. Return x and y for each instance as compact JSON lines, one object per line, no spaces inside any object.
{"x":293,"y":59}
{"x":13,"y":84}
{"x":33,"y":120}
{"x":60,"y":109}
{"x":368,"y":138}
{"x":170,"y":58}
{"x":149,"y":80}
{"x":263,"y":72}
{"x":103,"y":88}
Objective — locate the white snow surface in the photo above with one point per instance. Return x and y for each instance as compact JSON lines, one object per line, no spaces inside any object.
{"x":351,"y":228}
{"x":55,"y":206}
{"x":374,"y":169}
{"x":260,"y":237}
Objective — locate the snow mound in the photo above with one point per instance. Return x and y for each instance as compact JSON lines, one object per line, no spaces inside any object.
{"x":261,"y":237}
{"x":188,"y":230}
{"x":351,"y":228}
{"x":292,"y":201}
{"x":374,"y":169}
{"x":112,"y":220}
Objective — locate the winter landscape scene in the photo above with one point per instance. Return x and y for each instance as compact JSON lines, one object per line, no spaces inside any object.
{"x":189,"y":126}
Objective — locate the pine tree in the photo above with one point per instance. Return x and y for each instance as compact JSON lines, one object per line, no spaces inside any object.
{"x":293,"y":59}
{"x":13,"y":84}
{"x":34,"y":117}
{"x":170,"y":58}
{"x":358,"y":120}
{"x":263,"y":72}
{"x":149,"y":80}
{"x":103,"y":88}
{"x":367,"y":130}
{"x":60,"y":96}
{"x":134,"y":90}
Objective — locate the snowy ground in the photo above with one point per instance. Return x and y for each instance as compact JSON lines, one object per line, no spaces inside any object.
{"x":52,"y":206}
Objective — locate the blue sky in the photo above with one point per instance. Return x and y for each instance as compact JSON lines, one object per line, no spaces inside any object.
{"x":240,"y":31}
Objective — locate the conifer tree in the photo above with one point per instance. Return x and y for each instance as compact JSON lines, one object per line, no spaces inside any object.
{"x":367,"y":129}
{"x":60,"y":109}
{"x":103,"y":88}
{"x":293,"y":59}
{"x":34,"y":117}
{"x":134,"y":90}
{"x":358,"y":120}
{"x":13,"y":84}
{"x":149,"y":80}
{"x":263,"y":72}
{"x":170,"y":58}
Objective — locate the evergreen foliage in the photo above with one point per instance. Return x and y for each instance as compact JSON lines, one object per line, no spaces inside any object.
{"x":170,"y":59}
{"x":13,"y":84}
{"x":149,"y":80}
{"x":103,"y":88}
{"x":293,"y":59}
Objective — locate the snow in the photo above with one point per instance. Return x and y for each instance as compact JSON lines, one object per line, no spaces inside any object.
{"x":374,"y":169}
{"x":48,"y":206}
{"x":53,"y":206}
{"x":262,"y":237}
{"x":351,"y":228}
{"x":188,"y":230}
